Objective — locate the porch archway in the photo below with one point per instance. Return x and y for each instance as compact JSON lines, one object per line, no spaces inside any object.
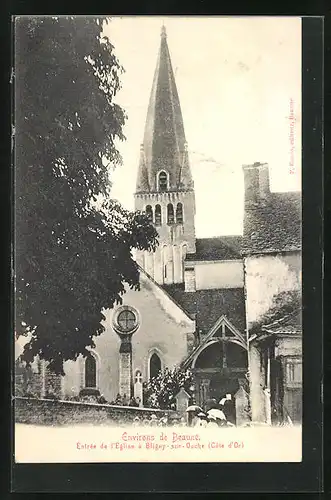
{"x":219,"y":368}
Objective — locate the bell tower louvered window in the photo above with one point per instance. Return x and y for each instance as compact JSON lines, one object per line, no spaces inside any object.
{"x":149,"y":212}
{"x":179,"y":213}
{"x":158,"y":215}
{"x":170,"y":214}
{"x":163,"y":181}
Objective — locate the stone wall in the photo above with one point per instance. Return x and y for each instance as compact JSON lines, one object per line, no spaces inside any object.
{"x":27,"y":382}
{"x":55,"y":412}
{"x":266,"y":276}
{"x":222,"y":274}
{"x":53,"y":384}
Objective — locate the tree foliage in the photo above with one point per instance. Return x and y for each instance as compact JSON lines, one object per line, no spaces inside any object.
{"x":73,"y":243}
{"x":160,"y":391}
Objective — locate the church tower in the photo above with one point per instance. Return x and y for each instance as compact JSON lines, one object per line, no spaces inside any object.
{"x":165,"y":189}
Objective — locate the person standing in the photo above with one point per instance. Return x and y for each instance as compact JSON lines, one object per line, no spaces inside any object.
{"x":229,"y":409}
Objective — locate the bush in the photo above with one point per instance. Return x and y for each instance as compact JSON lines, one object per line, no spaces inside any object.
{"x":160,"y":392}
{"x":51,"y":395}
{"x":89,"y":392}
{"x":102,"y":400}
{"x":72,"y":398}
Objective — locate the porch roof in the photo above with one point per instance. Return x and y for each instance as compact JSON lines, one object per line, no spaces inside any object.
{"x":286,"y":325}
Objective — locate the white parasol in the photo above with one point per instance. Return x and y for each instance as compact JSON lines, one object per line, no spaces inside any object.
{"x":216,"y":414}
{"x":194,"y":408}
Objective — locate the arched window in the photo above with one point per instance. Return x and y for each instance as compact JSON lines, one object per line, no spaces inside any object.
{"x":158,"y":215}
{"x":154,"y":365}
{"x":163,"y":181}
{"x":179,"y":213}
{"x":149,"y":212}
{"x":170,"y":214}
{"x":90,"y":372}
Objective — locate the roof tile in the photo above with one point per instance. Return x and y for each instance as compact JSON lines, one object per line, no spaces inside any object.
{"x":220,"y":248}
{"x":209,"y":305}
{"x":275,"y":226}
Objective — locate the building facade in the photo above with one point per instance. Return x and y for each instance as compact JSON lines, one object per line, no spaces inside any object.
{"x":201,"y":300}
{"x":272,"y":266}
{"x":203,"y":276}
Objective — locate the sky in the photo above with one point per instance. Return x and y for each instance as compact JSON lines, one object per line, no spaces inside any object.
{"x":239,"y":84}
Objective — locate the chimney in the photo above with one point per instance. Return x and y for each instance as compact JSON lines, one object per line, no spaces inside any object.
{"x":256,"y":181}
{"x":189,"y":278}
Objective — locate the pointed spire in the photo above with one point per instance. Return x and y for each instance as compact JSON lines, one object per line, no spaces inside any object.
{"x":164,"y":145}
{"x":163,"y":32}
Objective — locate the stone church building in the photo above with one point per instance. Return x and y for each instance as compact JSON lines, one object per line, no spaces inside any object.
{"x":199,"y":296}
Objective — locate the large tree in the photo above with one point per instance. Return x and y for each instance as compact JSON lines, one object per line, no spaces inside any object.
{"x":73,"y":244}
